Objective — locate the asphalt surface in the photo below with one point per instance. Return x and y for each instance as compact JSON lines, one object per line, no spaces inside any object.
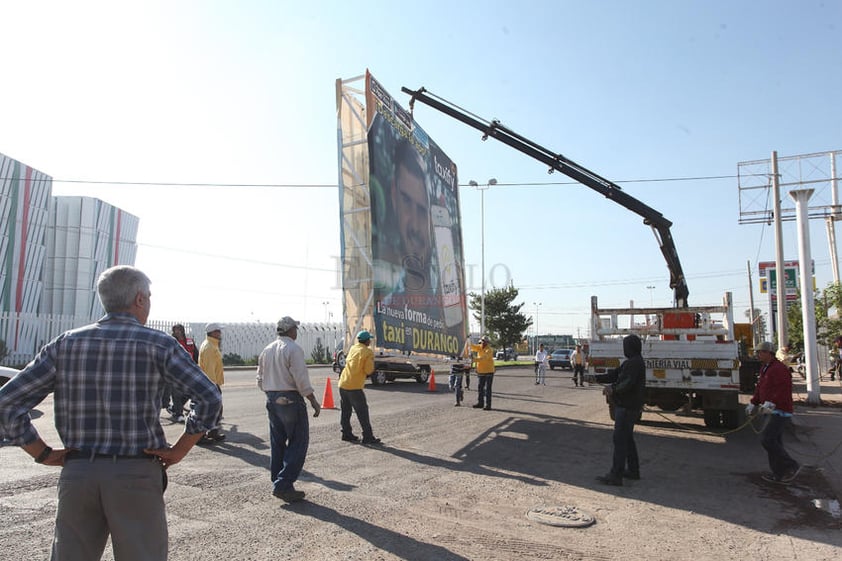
{"x":457,"y":483}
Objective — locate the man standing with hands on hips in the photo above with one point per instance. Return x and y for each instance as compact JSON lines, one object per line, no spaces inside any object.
{"x":103,"y":376}
{"x":282,"y":375}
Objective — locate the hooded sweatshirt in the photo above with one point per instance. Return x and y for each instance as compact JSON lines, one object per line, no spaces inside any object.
{"x":630,"y":383}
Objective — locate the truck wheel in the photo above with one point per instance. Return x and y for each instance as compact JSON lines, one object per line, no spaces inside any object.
{"x":730,"y":418}
{"x":378,"y":378}
{"x":713,"y":418}
{"x":422,"y":376}
{"x":339,"y":364}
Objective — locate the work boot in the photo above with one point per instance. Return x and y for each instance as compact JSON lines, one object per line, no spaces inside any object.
{"x":610,"y":479}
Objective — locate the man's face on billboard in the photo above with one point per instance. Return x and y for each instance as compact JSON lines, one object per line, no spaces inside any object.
{"x":413,"y":214}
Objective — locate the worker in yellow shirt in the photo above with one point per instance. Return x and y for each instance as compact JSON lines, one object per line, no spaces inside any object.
{"x":358,"y":366}
{"x":485,"y":372}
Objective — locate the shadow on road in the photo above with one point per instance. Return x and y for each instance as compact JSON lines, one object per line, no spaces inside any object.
{"x":399,"y":545}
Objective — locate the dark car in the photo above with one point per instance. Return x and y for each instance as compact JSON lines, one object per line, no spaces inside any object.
{"x":561,"y":358}
{"x":388,"y":369}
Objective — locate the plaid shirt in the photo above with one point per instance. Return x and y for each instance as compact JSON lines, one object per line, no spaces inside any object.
{"x":108,"y":379}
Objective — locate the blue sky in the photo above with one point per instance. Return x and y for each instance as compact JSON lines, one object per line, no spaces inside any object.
{"x":244,"y":93}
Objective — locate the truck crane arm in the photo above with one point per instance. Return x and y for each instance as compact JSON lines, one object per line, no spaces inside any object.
{"x":557,"y":162}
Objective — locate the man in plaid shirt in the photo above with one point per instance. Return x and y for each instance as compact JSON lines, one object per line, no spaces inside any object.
{"x":107,"y":379}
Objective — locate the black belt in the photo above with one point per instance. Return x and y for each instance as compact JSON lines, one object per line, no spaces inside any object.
{"x":90,"y":455}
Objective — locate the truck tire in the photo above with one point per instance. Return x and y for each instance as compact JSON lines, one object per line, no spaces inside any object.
{"x":378,"y":378}
{"x":713,"y":418}
{"x":339,"y":363}
{"x":423,"y":375}
{"x":730,"y":418}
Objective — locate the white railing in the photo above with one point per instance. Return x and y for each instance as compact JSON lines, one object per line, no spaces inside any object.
{"x":25,"y":334}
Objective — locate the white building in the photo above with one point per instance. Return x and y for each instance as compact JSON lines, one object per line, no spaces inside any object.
{"x":51,"y":252}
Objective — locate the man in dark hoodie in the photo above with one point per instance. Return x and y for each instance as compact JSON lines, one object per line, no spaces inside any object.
{"x":626,"y":389}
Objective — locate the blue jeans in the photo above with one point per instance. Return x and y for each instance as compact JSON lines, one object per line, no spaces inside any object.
{"x":780,"y":462}
{"x":289,"y":437}
{"x":625,"y":450}
{"x":354,"y":400}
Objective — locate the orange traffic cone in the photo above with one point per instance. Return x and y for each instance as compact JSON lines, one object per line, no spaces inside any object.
{"x":432,"y":387}
{"x":327,"y":399}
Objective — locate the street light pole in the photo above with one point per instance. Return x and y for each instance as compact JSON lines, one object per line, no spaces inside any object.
{"x":481,"y":190}
{"x":651,"y":297}
{"x":326,"y":304}
{"x":535,"y":340}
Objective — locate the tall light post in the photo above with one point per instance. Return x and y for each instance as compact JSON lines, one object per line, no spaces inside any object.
{"x":326,"y":304}
{"x":482,"y":189}
{"x":535,"y":340}
{"x":650,"y":288}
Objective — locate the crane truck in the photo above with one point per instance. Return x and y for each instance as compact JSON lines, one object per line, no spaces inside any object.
{"x":692,"y":358}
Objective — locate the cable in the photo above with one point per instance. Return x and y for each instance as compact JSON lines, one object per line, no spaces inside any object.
{"x":334,"y":186}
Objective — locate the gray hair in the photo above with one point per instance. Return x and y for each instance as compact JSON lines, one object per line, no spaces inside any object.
{"x":118,"y":286}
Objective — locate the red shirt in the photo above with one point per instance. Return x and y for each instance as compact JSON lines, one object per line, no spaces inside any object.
{"x":775,"y":385}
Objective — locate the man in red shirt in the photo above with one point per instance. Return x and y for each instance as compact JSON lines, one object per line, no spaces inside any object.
{"x":176,"y":409}
{"x":773,"y":395}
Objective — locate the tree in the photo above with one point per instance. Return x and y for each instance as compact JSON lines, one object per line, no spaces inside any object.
{"x":828,"y":326}
{"x":504,"y":322}
{"x":319,"y":353}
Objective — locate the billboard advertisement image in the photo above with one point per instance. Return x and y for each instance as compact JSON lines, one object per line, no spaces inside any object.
{"x":416,"y":237}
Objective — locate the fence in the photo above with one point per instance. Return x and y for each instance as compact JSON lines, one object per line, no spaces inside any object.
{"x":25,"y":334}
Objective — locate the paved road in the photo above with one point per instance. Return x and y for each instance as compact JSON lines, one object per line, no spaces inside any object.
{"x":455,"y":483}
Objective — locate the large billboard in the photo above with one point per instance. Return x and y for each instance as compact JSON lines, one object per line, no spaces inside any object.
{"x":416,"y":237}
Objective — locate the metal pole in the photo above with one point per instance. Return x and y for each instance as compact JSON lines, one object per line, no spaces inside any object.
{"x":779,"y":256}
{"x":808,"y":309}
{"x":830,"y":221}
{"x":751,"y":306}
{"x":482,"y":264}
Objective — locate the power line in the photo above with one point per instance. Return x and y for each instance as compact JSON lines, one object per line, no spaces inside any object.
{"x":334,"y":186}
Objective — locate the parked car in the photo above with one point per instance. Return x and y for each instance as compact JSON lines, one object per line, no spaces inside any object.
{"x":561,"y":358}
{"x":506,"y":354}
{"x":389,"y":369}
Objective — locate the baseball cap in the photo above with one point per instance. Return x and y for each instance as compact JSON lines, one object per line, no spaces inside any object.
{"x":363,"y":335}
{"x":765,"y":346}
{"x":213,"y":327}
{"x":286,"y":323}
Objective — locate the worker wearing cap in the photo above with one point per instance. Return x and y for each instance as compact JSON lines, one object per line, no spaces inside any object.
{"x":773,"y":395}
{"x":210,"y":361}
{"x":282,"y":375}
{"x":358,"y":366}
{"x":485,"y":372}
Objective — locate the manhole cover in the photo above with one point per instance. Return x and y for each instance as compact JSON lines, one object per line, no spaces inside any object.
{"x":567,"y":516}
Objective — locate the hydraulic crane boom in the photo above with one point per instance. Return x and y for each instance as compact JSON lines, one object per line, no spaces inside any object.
{"x":651,"y":217}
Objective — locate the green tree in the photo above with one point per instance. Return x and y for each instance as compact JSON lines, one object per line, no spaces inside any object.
{"x":504,"y":322}
{"x":319,"y":353}
{"x":828,"y":306}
